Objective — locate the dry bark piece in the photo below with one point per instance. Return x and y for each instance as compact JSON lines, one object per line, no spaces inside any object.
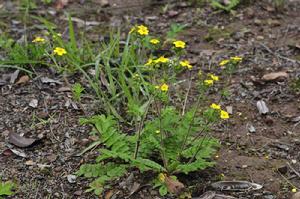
{"x":174,"y":186}
{"x":262,"y":107}
{"x":64,"y":89}
{"x":275,"y":76}
{"x":20,"y":141}
{"x":236,"y":186}
{"x":48,"y":80}
{"x":24,"y":79}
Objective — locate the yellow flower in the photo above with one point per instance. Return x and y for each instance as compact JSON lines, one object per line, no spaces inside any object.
{"x":162,"y":177}
{"x":214,"y":77}
{"x":149,"y":62}
{"x":208,"y":82}
{"x":224,"y":115}
{"x":157,"y":131}
{"x":215,"y":106}
{"x":59,"y":51}
{"x":179,"y":44}
{"x":224,"y":62}
{"x":236,"y":59}
{"x":164,"y":87}
{"x":161,"y":59}
{"x":38,"y":40}
{"x":294,"y":190}
{"x":186,"y":63}
{"x":154,"y":41}
{"x":142,"y":30}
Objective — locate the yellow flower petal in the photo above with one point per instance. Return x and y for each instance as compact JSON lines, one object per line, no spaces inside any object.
{"x":164,"y":87}
{"x":142,"y":30}
{"x":149,"y":62}
{"x":59,"y":51}
{"x":214,"y":77}
{"x":224,"y":115}
{"x":179,"y":44}
{"x":224,"y":62}
{"x":186,"y":63}
{"x":161,"y":59}
{"x":162,"y":177}
{"x":154,"y":41}
{"x":236,"y":59}
{"x":215,"y":106}
{"x":208,"y":82}
{"x":38,"y":40}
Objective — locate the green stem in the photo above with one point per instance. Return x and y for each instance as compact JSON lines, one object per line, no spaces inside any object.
{"x":192,"y":122}
{"x":137,"y":146}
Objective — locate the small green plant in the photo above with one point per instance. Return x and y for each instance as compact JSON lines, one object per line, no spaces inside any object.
{"x":6,"y":189}
{"x":175,"y":30}
{"x":228,"y":7}
{"x":166,"y":139}
{"x":155,"y":148}
{"x":77,"y":90}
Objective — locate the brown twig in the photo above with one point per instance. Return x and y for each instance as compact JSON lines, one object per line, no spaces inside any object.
{"x":293,"y":169}
{"x":187,"y":94}
{"x":278,"y":55}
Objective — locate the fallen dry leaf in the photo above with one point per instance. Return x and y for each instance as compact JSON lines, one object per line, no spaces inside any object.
{"x":275,"y":76}
{"x":20,"y":141}
{"x":64,"y":89}
{"x":236,"y":185}
{"x":24,"y":79}
{"x":48,"y":80}
{"x":174,"y":186}
{"x":109,"y":194}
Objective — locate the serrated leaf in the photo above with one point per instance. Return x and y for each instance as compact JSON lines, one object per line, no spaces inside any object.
{"x":6,"y":188}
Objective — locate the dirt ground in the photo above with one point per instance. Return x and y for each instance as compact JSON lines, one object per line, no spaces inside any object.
{"x":257,"y":148}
